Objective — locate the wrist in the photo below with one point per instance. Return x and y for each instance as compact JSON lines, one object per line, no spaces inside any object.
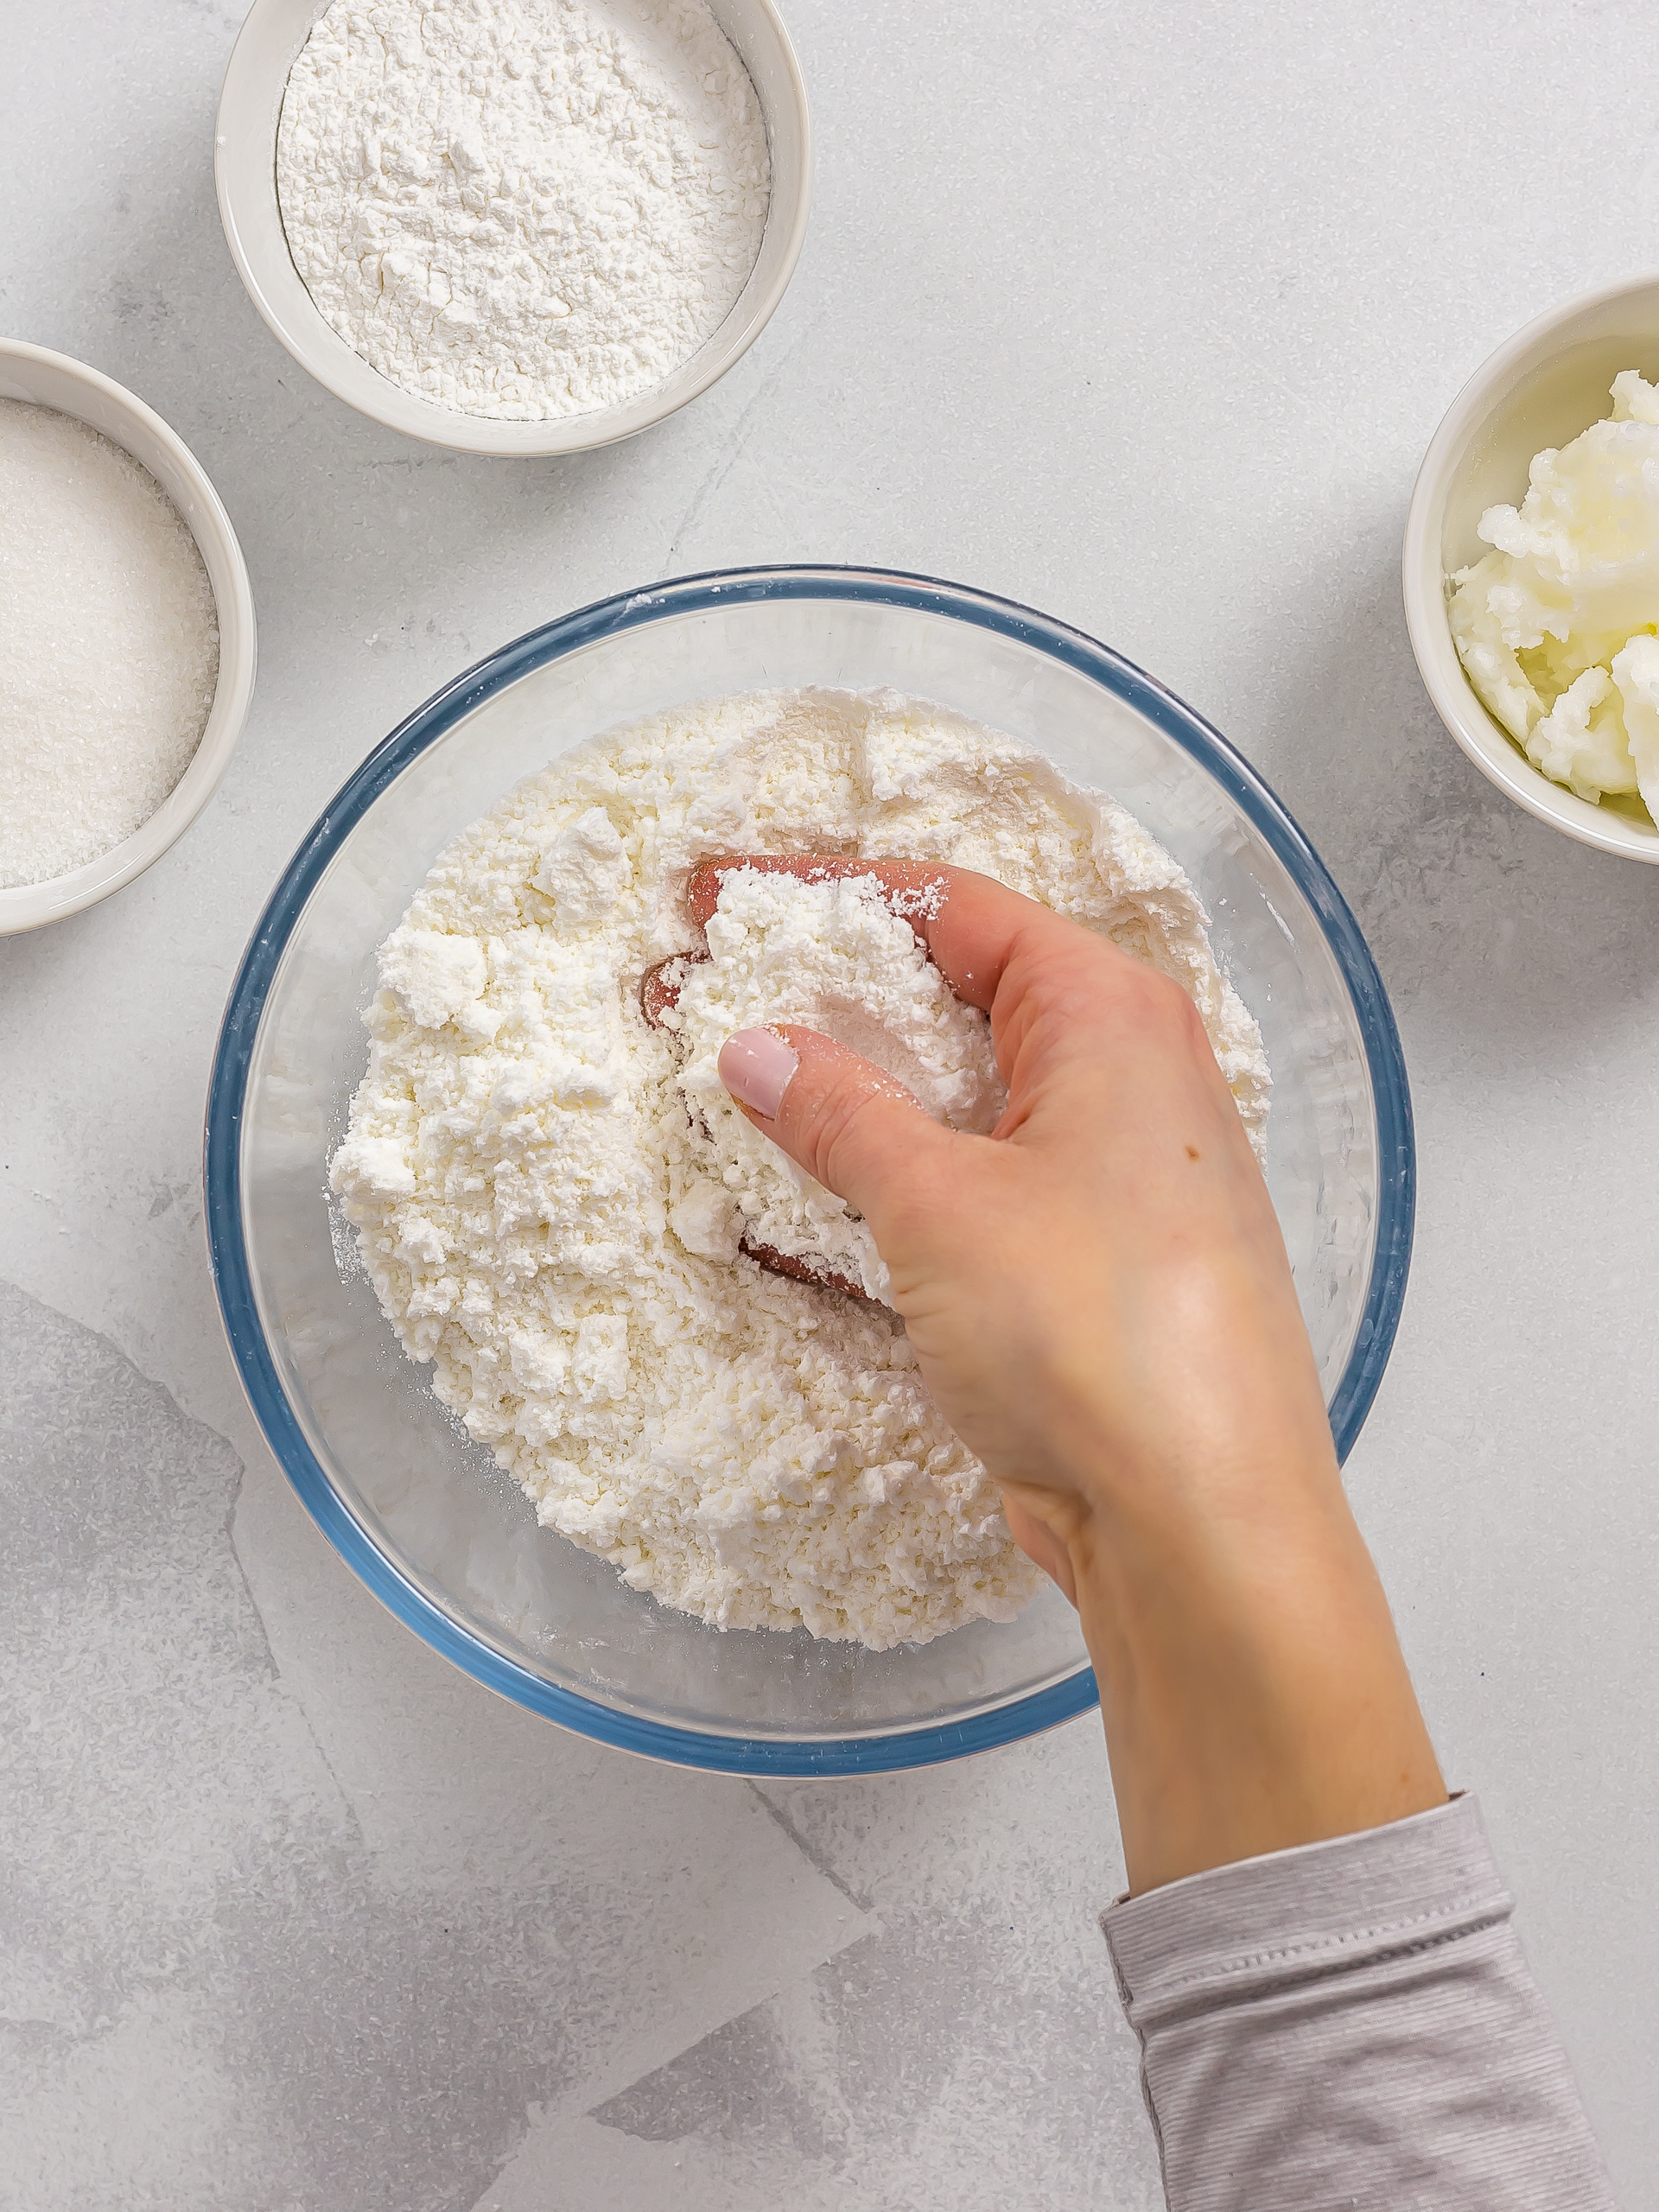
{"x":1252,"y":1687}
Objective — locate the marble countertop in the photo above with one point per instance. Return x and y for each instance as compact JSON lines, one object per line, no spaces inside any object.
{"x":1143,"y":316}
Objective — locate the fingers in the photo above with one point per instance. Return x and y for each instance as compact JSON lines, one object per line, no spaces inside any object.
{"x":970,"y":924}
{"x":1081,"y":1027}
{"x":847,"y":1122}
{"x":757,"y":1067}
{"x":912,"y":886}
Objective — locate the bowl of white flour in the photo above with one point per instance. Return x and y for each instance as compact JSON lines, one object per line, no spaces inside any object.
{"x":515,"y":226}
{"x":488,"y":1263}
{"x":126,"y":636}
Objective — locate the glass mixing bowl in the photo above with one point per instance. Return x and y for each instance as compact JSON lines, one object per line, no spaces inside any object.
{"x":424,"y":1516}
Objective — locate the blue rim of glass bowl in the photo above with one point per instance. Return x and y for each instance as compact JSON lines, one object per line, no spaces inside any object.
{"x":924,"y":1747}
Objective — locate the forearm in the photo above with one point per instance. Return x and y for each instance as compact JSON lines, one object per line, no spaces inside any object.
{"x":1252,"y":1685}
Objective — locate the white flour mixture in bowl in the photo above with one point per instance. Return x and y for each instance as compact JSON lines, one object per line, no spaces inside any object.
{"x":835,"y":956}
{"x":551,"y":1199}
{"x":522,"y":209}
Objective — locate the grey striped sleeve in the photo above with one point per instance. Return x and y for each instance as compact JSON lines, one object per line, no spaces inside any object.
{"x":1352,"y":2024}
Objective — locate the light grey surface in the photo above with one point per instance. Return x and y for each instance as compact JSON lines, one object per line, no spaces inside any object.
{"x":1143,"y":316}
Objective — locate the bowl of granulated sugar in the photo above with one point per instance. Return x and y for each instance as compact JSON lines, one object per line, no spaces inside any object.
{"x":515,"y":226}
{"x":126,"y":636}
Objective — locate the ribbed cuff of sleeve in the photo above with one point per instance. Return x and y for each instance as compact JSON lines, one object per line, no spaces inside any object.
{"x":1237,"y":1930}
{"x":1352,"y":2023}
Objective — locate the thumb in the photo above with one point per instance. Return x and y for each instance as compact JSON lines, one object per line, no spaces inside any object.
{"x":843,"y":1119}
{"x":1028,"y":1512}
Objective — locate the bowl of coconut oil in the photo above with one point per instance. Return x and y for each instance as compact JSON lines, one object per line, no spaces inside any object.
{"x":1531,"y":569}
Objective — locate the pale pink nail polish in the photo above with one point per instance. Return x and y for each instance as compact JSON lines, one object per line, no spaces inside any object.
{"x":756,"y":1068}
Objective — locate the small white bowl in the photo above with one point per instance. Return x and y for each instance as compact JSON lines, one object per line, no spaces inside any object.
{"x":1550,"y":382}
{"x":30,"y":373}
{"x":244,"y":169}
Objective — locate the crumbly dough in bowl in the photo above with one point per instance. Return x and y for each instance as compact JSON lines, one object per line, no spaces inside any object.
{"x":542,"y":1216}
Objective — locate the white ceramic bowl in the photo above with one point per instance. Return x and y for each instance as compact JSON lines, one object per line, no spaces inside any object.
{"x":1550,"y":382}
{"x":30,"y":373}
{"x":245,"y":169}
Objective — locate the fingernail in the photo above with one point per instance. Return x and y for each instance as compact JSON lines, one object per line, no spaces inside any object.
{"x":756,"y":1067}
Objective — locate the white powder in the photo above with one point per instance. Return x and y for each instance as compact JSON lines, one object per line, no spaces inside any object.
{"x":544,"y":1222}
{"x":523,"y":208}
{"x":834,"y":957}
{"x":109,"y":645}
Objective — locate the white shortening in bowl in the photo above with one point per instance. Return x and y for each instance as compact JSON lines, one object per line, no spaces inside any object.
{"x":246,"y":171}
{"x":33,"y":374}
{"x":1546,"y":385}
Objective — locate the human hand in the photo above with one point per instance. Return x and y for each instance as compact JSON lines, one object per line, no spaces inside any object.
{"x":1100,"y":1301}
